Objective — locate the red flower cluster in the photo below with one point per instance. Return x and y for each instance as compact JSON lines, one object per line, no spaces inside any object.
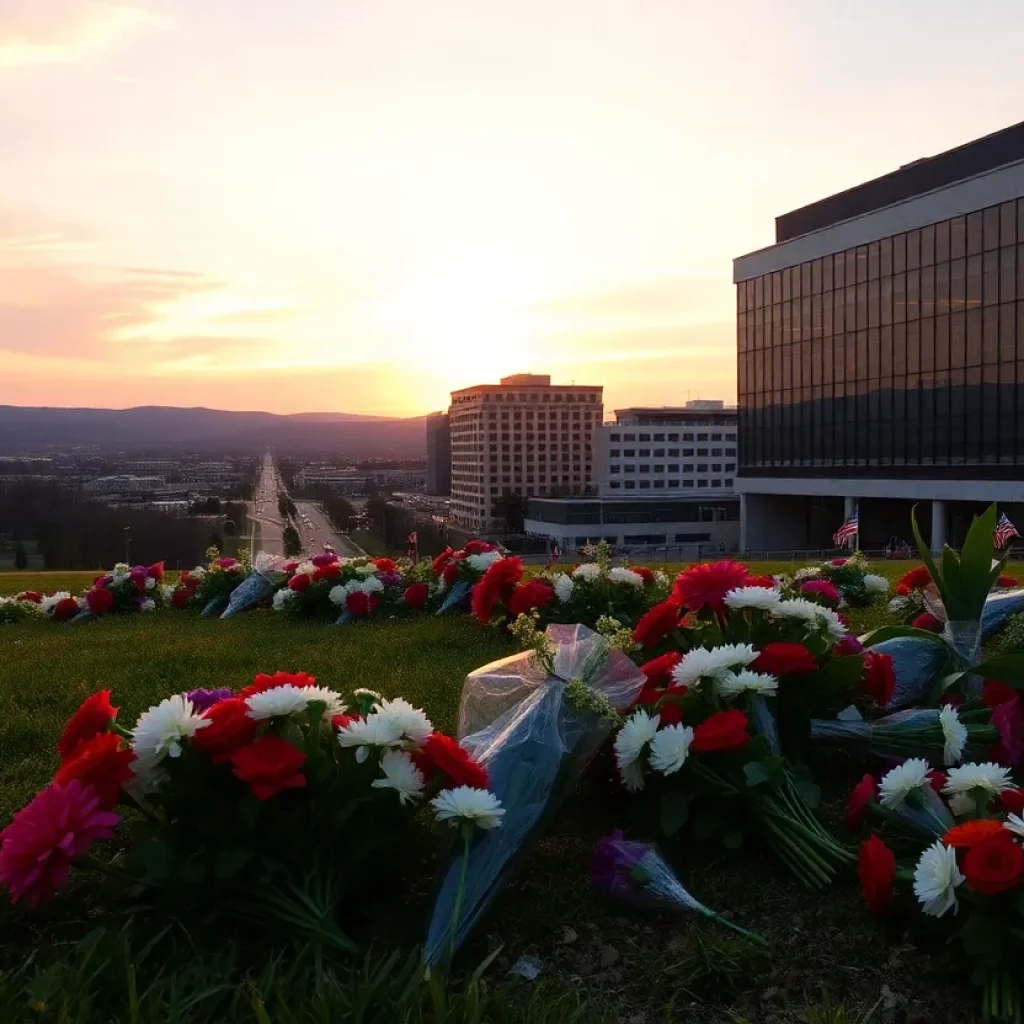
{"x":102,"y":762}
{"x":99,"y":600}
{"x":495,"y":585}
{"x":927,"y":621}
{"x":992,"y":861}
{"x":876,"y":868}
{"x":360,"y":604}
{"x":264,"y":682}
{"x":879,"y":679}
{"x":1008,"y":581}
{"x":781,"y":658}
{"x":30,"y":595}
{"x":915,"y":579}
{"x":416,"y":595}
{"x":530,"y":595}
{"x":65,"y":609}
{"x":659,"y":670}
{"x":441,"y":754}
{"x":229,"y":730}
{"x":724,"y":730}
{"x":269,"y":765}
{"x":93,"y":716}
{"x":705,"y":585}
{"x":657,"y":623}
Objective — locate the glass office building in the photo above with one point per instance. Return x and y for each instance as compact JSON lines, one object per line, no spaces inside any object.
{"x":880,"y":347}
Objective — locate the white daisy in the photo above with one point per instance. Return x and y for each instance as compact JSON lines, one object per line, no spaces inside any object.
{"x":897,"y":604}
{"x":808,"y":572}
{"x":954,"y":734}
{"x":670,"y":747}
{"x":564,"y":587}
{"x":373,"y":731}
{"x":632,"y":777}
{"x":334,"y":700}
{"x":635,"y":734}
{"x":620,"y":574}
{"x":281,"y":598}
{"x":1015,"y":824}
{"x":277,"y":702}
{"x":50,"y":601}
{"x":401,"y":775}
{"x":587,"y":571}
{"x":875,"y":584}
{"x":159,"y":731}
{"x":408,"y":721}
{"x":763,"y":598}
{"x":483,"y":561}
{"x":305,"y":569}
{"x":468,"y":806}
{"x":988,"y":777}
{"x":337,"y":594}
{"x":148,"y":605}
{"x":150,"y":583}
{"x":898,"y":784}
{"x":936,"y":878}
{"x":732,"y":684}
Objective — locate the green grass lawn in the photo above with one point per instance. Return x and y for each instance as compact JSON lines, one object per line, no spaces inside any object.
{"x":599,"y":961}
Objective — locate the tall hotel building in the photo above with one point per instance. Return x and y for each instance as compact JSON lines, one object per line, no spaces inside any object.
{"x":881,"y":354}
{"x":524,"y":436}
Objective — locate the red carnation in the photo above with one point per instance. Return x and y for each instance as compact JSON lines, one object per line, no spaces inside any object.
{"x":993,"y":867}
{"x":450,"y":574}
{"x":385,"y":564}
{"x":856,"y":807}
{"x":1013,"y":800}
{"x":100,"y":762}
{"x":915,"y":579}
{"x":30,"y":595}
{"x":822,"y":589}
{"x":264,"y":682}
{"x":416,"y":595}
{"x":659,"y":670}
{"x":65,"y":609}
{"x":879,"y":679}
{"x":876,"y":867}
{"x":156,"y":571}
{"x":705,"y":585}
{"x":666,"y":700}
{"x":329,"y":571}
{"x":645,"y":574}
{"x":530,"y":595}
{"x":761,"y":581}
{"x":478,"y":547}
{"x":181,"y":596}
{"x":340,"y":721}
{"x":780,"y":658}
{"x":725,"y":730}
{"x":497,"y":580}
{"x":1007,"y":581}
{"x":229,"y":730}
{"x":656,"y":624}
{"x":996,"y":693}
{"x":441,"y":561}
{"x":269,"y":765}
{"x":99,"y":601}
{"x":299,"y":582}
{"x":93,"y":716}
{"x":359,"y":604}
{"x":927,"y":621}
{"x":441,"y":753}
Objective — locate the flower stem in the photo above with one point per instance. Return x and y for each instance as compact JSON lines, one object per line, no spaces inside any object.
{"x":467,"y":834}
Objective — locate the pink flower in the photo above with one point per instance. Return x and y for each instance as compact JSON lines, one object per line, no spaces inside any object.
{"x":57,"y":827}
{"x":823,"y":589}
{"x":838,"y":562}
{"x":325,"y":558}
{"x":226,"y":563}
{"x":1008,"y":720}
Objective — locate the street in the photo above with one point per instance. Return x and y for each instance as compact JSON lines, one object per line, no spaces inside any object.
{"x":319,"y":530}
{"x":264,"y":509}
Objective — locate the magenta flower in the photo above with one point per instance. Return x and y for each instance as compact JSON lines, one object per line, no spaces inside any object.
{"x":838,"y":562}
{"x":324,"y":558}
{"x":849,"y":644}
{"x":614,"y":862}
{"x":225,"y":563}
{"x":821,"y":588}
{"x":203,"y":699}
{"x":1008,"y":721}
{"x":57,"y":827}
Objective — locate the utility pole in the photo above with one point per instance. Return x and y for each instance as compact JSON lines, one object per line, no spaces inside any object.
{"x":128,"y":544}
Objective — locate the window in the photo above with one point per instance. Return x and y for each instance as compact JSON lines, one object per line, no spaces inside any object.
{"x":613,"y":469}
{"x":687,"y":467}
{"x":659,"y":453}
{"x":687,"y":437}
{"x":716,"y":467}
{"x":673,"y":483}
{"x":659,"y":483}
{"x":716,"y":437}
{"x":673,"y":468}
{"x":614,"y":453}
{"x":629,"y":453}
{"x":728,"y":482}
{"x":659,"y":468}
{"x":702,"y":451}
{"x":716,"y":483}
{"x":673,"y":437}
{"x":659,"y":437}
{"x":629,"y":437}
{"x":716,"y":451}
{"x":730,"y":467}
{"x":702,"y":483}
{"x":645,"y":468}
{"x":673,"y":453}
{"x":702,"y":437}
{"x":630,"y":485}
{"x":629,"y":469}
{"x":687,"y":483}
{"x":645,"y":453}
{"x":645,"y":437}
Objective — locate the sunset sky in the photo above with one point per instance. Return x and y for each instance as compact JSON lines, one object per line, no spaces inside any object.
{"x":358,"y":205}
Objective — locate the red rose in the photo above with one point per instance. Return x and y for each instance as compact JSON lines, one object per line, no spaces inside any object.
{"x":340,"y":721}
{"x":993,"y":867}
{"x":876,"y":867}
{"x":780,"y":658}
{"x":478,"y":547}
{"x":441,"y":753}
{"x":229,"y":730}
{"x":181,"y":596}
{"x":269,"y":765}
{"x":937,"y":780}
{"x":725,"y":730}
{"x":927,"y":621}
{"x":450,"y":574}
{"x":441,"y":561}
{"x":359,"y":603}
{"x":1007,"y":581}
{"x":263,"y":682}
{"x":659,"y":670}
{"x":496,"y":583}
{"x":65,"y":609}
{"x":385,"y":564}
{"x":99,"y":601}
{"x":761,"y":581}
{"x":996,"y":693}
{"x":657,"y":623}
{"x":100,"y":762}
{"x":30,"y":595}
{"x":530,"y":595}
{"x":1013,"y":800}
{"x":856,"y":807}
{"x":299,"y":582}
{"x":879,"y":679}
{"x":156,"y":571}
{"x":329,"y":571}
{"x":669,"y":709}
{"x":416,"y":595}
{"x":705,"y":585}
{"x":93,"y":716}
{"x":915,"y":579}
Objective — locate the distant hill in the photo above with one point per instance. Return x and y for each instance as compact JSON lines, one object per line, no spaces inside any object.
{"x":27,"y":428}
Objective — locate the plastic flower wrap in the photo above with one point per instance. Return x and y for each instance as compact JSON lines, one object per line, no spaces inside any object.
{"x":268,"y":574}
{"x":847,"y":581}
{"x":209,"y":587}
{"x":533,"y":721}
{"x":457,"y":572}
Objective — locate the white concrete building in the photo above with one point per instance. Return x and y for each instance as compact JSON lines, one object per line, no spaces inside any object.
{"x":525,"y":436}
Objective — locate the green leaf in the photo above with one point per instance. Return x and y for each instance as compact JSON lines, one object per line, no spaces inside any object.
{"x":154,"y":856}
{"x":708,"y":823}
{"x":755,"y":773}
{"x":1007,"y":668}
{"x":975,"y":568}
{"x":231,"y":860}
{"x":883,"y":633}
{"x":926,"y":555}
{"x":808,"y":789}
{"x":675,"y":811}
{"x":732,"y":838}
{"x":193,"y":871}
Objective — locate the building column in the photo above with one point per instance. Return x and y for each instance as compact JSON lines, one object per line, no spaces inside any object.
{"x":744,"y":512}
{"x":938,"y":538}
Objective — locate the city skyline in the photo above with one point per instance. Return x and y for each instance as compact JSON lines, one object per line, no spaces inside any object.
{"x":362,"y":210}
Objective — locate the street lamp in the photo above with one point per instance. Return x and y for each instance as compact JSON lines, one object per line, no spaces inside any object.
{"x":127,"y":545}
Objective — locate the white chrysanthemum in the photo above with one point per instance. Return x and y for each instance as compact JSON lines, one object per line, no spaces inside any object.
{"x":121,"y":570}
{"x":281,"y":598}
{"x":815,"y":615}
{"x":988,"y":777}
{"x":808,"y":572}
{"x":897,"y":604}
{"x":367,"y":569}
{"x":638,"y":730}
{"x":150,"y":583}
{"x":338,"y":594}
{"x":732,"y":684}
{"x":936,"y":878}
{"x":1015,"y":824}
{"x":764,"y":598}
{"x":334,"y":700}
{"x":159,"y":731}
{"x":370,"y":585}
{"x":198,"y":572}
{"x":468,"y":806}
{"x":50,"y":601}
{"x":564,"y":586}
{"x":408,"y":721}
{"x":166,"y":592}
{"x":670,"y":747}
{"x":305,"y":569}
{"x":148,"y":605}
{"x":373,"y":731}
{"x":281,"y":700}
{"x":483,"y":561}
{"x":401,"y":775}
{"x":954,"y":735}
{"x":620,"y":574}
{"x":587,"y":571}
{"x":875,"y":584}
{"x":701,"y":663}
{"x":632,"y":777}
{"x":897,"y":784}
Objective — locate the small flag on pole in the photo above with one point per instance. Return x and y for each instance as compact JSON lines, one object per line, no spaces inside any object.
{"x":847,"y":531}
{"x":1004,"y":531}
{"x":556,"y":552}
{"x":414,"y":538}
{"x":413,"y":545}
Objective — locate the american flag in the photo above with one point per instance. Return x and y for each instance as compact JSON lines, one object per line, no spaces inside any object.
{"x":413,"y":539}
{"x":556,"y":552}
{"x":847,"y":531}
{"x":1004,"y":531}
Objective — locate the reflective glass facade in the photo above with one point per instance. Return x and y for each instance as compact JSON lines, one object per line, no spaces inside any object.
{"x":905,"y":352}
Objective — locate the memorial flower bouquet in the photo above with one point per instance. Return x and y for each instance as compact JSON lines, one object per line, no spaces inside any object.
{"x":209,"y":587}
{"x":26,"y":605}
{"x":840,"y":581}
{"x":125,"y":589}
{"x":457,"y":572}
{"x":329,"y":587}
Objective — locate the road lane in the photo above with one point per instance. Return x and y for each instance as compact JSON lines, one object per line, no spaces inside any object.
{"x":320,"y":530}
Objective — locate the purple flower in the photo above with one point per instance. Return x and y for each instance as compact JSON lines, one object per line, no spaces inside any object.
{"x":203,"y":699}
{"x":390,"y":579}
{"x":611,"y":867}
{"x":326,"y":558}
{"x":849,"y":645}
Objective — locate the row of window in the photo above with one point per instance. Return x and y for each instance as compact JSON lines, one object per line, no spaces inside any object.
{"x":532,"y":396}
{"x":617,"y":436}
{"x":687,"y":467}
{"x":644,"y":485}
{"x":521,"y":415}
{"x":660,"y":453}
